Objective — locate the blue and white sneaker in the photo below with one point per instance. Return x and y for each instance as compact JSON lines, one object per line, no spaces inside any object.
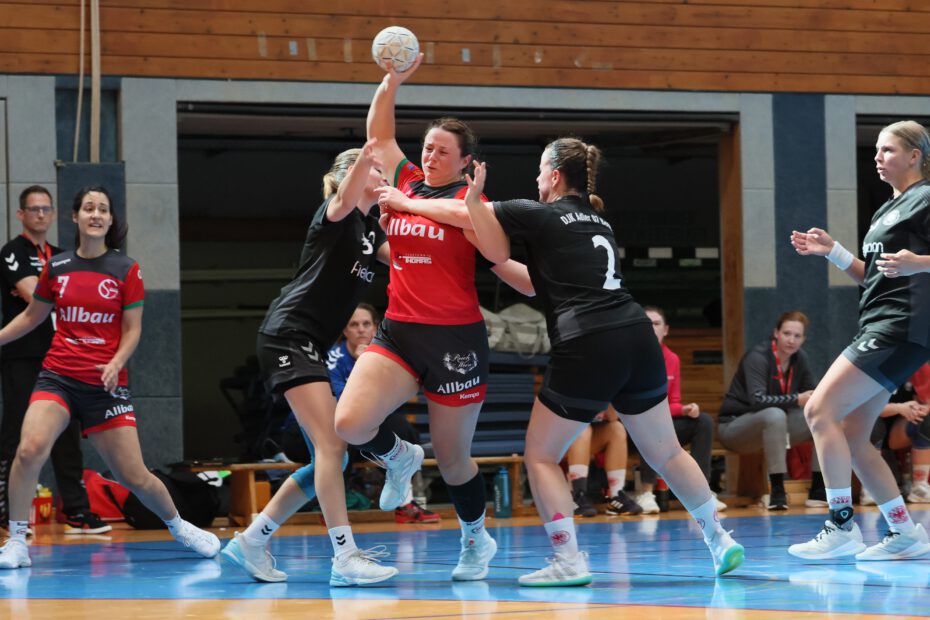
{"x":474,"y":559}
{"x":360,"y":567}
{"x":256,"y":560}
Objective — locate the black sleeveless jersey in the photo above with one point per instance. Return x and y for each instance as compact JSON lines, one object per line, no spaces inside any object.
{"x":336,"y":265}
{"x":573,"y":263}
{"x":898,"y":307}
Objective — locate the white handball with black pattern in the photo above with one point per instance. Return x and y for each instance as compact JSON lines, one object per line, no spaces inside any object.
{"x":395,"y":47}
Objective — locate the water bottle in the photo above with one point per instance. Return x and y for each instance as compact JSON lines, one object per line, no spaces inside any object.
{"x":662,"y":495}
{"x":502,"y":508}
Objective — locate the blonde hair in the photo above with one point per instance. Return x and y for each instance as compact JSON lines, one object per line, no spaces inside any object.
{"x":913,"y":135}
{"x":338,"y":172}
{"x":579,"y":164}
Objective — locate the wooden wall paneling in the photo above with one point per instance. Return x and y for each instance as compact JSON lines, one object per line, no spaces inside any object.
{"x":731,"y":251}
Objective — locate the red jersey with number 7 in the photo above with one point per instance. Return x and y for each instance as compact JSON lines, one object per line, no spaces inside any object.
{"x":90,"y":296}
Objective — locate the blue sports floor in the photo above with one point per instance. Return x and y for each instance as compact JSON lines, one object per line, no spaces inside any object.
{"x":643,"y":562}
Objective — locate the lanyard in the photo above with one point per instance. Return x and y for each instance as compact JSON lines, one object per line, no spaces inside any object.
{"x":783,"y":381}
{"x":44,"y":253}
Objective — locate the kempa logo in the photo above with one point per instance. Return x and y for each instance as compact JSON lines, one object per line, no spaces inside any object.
{"x":402,"y":228}
{"x":874,"y":247}
{"x":77,"y":314}
{"x":458,"y":386}
{"x":118,"y":410}
{"x":65,"y":261}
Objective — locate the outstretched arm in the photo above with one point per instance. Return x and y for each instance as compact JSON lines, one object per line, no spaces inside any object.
{"x":380,"y":122}
{"x":516,"y":275}
{"x":353,"y":185}
{"x":25,"y":321}
{"x":816,"y":242}
{"x":492,"y":240}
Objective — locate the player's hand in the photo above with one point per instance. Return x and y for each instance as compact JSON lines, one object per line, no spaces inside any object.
{"x":109,"y":375}
{"x":815,"y":242}
{"x":398,"y":77}
{"x":901,"y":263}
{"x":476,"y":183}
{"x":803,"y":397}
{"x":691,"y":410}
{"x":392,"y":198}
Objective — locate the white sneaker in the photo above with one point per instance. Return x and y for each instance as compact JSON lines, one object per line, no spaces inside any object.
{"x":866,"y":499}
{"x":719,"y":505}
{"x":562,"y":571}
{"x":360,"y":567}
{"x":474,"y":559}
{"x":898,"y":546}
{"x":203,"y":542}
{"x":397,"y":484}
{"x":728,"y":554}
{"x":256,"y":560}
{"x":648,"y":502}
{"x":832,"y":542}
{"x":14,"y":554}
{"x":920,"y":493}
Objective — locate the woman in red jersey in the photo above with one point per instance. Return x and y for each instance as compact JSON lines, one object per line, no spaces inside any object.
{"x":97,"y":295}
{"x":433,"y":335}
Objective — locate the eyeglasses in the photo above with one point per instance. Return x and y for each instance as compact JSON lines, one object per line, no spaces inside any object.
{"x":44,"y":210}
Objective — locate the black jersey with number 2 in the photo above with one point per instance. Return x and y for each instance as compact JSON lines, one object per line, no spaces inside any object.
{"x":336,"y":265}
{"x":573,"y":263}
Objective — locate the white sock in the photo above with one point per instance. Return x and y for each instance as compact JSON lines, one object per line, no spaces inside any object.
{"x":474,"y":530}
{"x":897,"y":516}
{"x":174,"y":524}
{"x":562,"y":537}
{"x":837,"y":498}
{"x":342,"y":540}
{"x":920,"y":474}
{"x":616,"y":479}
{"x":707,"y":519}
{"x":18,"y":530}
{"x":260,"y":531}
{"x":577,"y":471}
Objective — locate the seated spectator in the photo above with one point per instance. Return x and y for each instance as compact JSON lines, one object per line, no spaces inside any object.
{"x":604,"y":434}
{"x":692,"y":426}
{"x":764,"y":407}
{"x":904,"y":424}
{"x":340,"y":362}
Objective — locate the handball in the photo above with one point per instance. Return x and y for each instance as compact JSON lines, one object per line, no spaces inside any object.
{"x":395,"y":47}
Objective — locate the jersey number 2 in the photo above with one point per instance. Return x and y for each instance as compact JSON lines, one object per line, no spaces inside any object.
{"x":611,"y":281}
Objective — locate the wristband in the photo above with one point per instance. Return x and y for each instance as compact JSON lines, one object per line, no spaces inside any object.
{"x":840,"y":256}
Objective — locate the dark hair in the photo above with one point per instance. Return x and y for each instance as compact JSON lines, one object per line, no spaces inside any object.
{"x":658,"y":311}
{"x":466,"y":138}
{"x":793,"y":315}
{"x":578,"y":163}
{"x":116,"y":235}
{"x":33,"y":189}
{"x":370,"y":309}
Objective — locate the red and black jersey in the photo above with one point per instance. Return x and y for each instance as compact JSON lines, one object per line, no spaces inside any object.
{"x":89,"y":296}
{"x":432,"y":265}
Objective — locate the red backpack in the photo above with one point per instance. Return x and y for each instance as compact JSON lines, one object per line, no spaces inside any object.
{"x":106,"y":496}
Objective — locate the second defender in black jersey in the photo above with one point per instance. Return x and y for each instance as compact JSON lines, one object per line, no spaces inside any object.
{"x":336,"y":266}
{"x":893,"y":341}
{"x":603,"y":351}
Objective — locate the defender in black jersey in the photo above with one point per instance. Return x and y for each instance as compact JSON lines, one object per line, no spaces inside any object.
{"x":96,"y":293}
{"x":893,"y":341}
{"x":336,"y":266}
{"x":603,"y":350}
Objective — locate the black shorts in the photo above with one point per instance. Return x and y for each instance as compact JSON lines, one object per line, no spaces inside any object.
{"x":286,"y":363}
{"x":449,"y":361}
{"x":94,"y":407}
{"x":622,"y":366}
{"x":890,"y":362}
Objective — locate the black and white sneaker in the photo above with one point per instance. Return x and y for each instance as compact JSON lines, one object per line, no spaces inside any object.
{"x":623,"y":504}
{"x":86,"y":523}
{"x":778,"y":500}
{"x":583,"y":505}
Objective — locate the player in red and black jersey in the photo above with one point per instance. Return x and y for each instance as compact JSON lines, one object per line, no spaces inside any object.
{"x":336,"y":266}
{"x":433,"y":334}
{"x":96,"y":293}
{"x":603,"y":351}
{"x":892,"y":343}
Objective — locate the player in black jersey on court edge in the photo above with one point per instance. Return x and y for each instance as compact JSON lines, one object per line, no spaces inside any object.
{"x":893,"y":342}
{"x":603,"y":351}
{"x":97,"y":295}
